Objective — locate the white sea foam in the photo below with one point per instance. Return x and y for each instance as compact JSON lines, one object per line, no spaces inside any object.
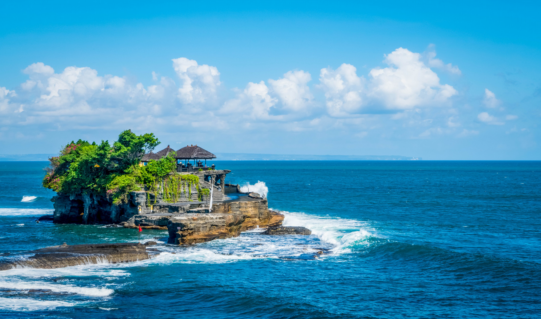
{"x":258,"y":187}
{"x":27,"y":199}
{"x":342,"y":234}
{"x":58,"y":288}
{"x":25,"y":211}
{"x":198,"y":255}
{"x":23,"y":304}
{"x":74,"y":271}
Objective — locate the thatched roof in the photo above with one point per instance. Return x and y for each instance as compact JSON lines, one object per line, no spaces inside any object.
{"x":150,"y":156}
{"x":165,"y":151}
{"x":194,"y":152}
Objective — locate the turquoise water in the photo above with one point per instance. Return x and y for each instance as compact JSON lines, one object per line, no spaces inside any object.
{"x":407,"y":240}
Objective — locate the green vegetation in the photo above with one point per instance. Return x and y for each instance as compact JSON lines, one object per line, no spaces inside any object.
{"x":114,"y":171}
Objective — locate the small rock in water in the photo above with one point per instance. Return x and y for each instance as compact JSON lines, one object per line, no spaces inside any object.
{"x":287,"y":230}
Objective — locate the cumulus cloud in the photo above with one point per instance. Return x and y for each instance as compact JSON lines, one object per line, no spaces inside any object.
{"x":292,"y":90}
{"x":199,"y":83}
{"x":343,"y":90}
{"x":437,"y":63}
{"x":406,"y":83}
{"x":488,"y":119}
{"x":511,"y":117}
{"x":80,"y":97}
{"x":254,"y":102}
{"x":490,"y":99}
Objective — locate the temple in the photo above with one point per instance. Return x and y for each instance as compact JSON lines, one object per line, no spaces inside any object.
{"x":190,"y":161}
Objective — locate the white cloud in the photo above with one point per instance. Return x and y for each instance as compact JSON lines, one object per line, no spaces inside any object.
{"x":437,"y":63}
{"x":343,"y":90}
{"x":292,"y":90}
{"x":80,"y":97}
{"x":511,"y":117}
{"x":408,"y":83}
{"x":199,"y":83}
{"x":39,"y":69}
{"x":490,"y":99}
{"x":4,"y":100}
{"x":489,"y":119}
{"x":254,"y":102}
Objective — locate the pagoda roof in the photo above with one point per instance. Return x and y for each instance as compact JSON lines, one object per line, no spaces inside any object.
{"x":165,"y":151}
{"x":150,"y":156}
{"x":194,"y":152}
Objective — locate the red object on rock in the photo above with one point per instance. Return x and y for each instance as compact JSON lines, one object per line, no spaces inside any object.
{"x":140,"y":229}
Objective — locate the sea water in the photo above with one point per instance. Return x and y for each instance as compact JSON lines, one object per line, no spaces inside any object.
{"x":404,"y":240}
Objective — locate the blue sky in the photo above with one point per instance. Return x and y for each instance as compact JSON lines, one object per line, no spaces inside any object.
{"x":456,"y":80}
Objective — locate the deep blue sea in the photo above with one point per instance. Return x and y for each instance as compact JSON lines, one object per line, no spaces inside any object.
{"x":415,"y":239}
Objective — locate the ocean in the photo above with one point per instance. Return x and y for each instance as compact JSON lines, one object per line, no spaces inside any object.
{"x":406,"y":239}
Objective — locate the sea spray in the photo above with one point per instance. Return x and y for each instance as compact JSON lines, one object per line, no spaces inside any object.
{"x":258,"y":187}
{"x":342,"y":234}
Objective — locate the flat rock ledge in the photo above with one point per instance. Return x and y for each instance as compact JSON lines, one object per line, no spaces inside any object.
{"x":66,"y":256}
{"x":285,"y":230}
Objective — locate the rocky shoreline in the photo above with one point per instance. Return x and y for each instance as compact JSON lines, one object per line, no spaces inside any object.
{"x":74,"y":255}
{"x":187,"y":223}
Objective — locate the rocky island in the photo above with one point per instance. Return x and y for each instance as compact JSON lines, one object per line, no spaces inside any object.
{"x":129,"y":185}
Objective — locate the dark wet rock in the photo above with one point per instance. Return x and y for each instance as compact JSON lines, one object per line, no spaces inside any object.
{"x":65,"y":255}
{"x":48,"y":218}
{"x":151,"y":243}
{"x":287,"y":230}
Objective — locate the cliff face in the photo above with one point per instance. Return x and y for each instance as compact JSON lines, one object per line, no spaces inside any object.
{"x":227,"y":219}
{"x":95,"y":209}
{"x":187,"y":223}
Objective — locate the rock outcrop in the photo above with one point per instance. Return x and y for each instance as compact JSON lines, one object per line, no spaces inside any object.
{"x":226,"y":220}
{"x":95,"y":209}
{"x":284,"y":230}
{"x":65,"y":255}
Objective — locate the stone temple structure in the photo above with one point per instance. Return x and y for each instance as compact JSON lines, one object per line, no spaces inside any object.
{"x":190,"y":218}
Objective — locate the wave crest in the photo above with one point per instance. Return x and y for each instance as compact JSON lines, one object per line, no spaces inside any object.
{"x":28,"y":199}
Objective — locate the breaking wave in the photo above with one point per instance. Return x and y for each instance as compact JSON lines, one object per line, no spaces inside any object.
{"x":56,"y":288}
{"x":343,"y":234}
{"x":68,"y":283}
{"x":336,"y":235}
{"x":258,"y":187}
{"x":25,"y":211}
{"x":28,"y":199}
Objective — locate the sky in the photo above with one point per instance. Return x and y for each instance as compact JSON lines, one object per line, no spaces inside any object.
{"x":454,"y":80}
